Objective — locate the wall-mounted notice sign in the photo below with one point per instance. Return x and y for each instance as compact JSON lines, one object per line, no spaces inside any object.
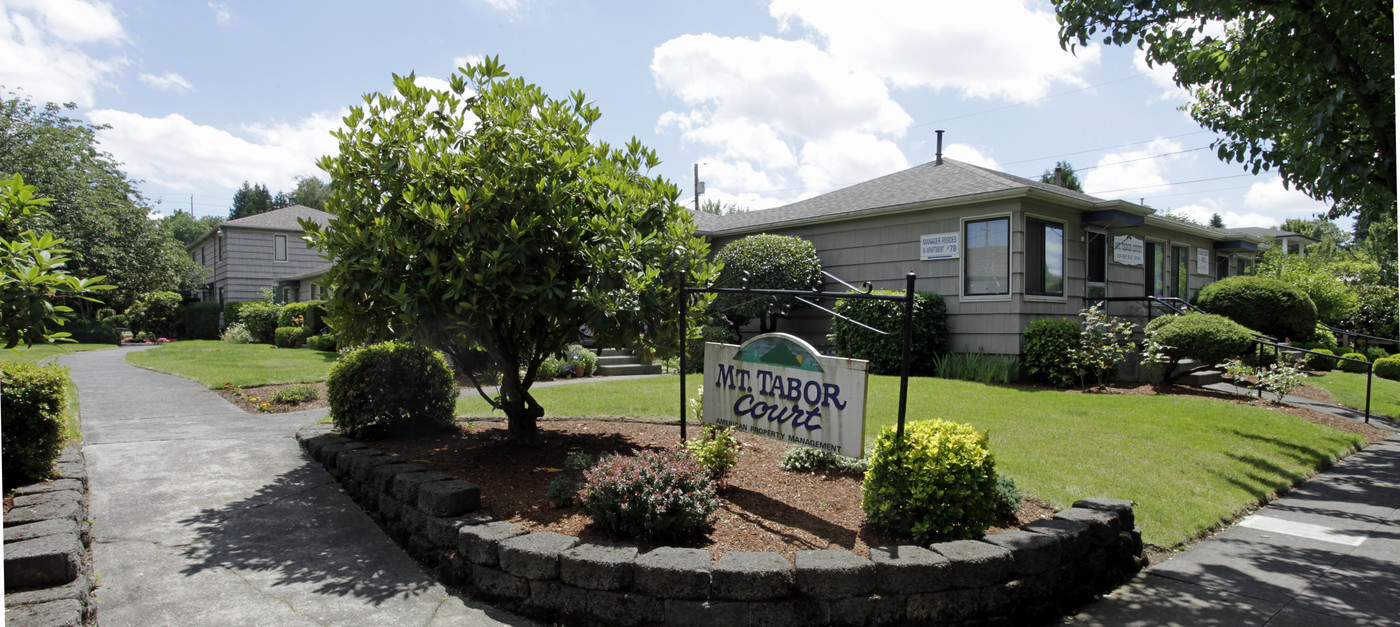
{"x":938,"y":246}
{"x":1127,"y":250}
{"x":777,"y":386}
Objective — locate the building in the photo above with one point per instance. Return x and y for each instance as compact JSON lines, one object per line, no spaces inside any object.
{"x":1002,"y":250}
{"x":243,"y":256}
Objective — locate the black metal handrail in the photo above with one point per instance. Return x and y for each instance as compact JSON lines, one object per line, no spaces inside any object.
{"x":1171,"y":303}
{"x":1370,"y":367}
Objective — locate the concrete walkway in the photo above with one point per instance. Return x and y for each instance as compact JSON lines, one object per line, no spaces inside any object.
{"x":206,"y":515}
{"x":1327,"y":554}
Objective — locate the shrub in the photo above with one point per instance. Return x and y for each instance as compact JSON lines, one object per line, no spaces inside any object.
{"x":85,"y":330}
{"x":1388,"y":368}
{"x":296,"y":394}
{"x":290,"y":313}
{"x":580,"y":356}
{"x":1104,"y":343}
{"x":1008,"y":497}
{"x":236,"y":333}
{"x":1377,"y":312}
{"x":555,"y":366}
{"x":655,"y":495}
{"x":232,"y":311}
{"x":806,"y":459}
{"x":106,"y":314}
{"x":978,"y":367}
{"x":938,"y":483}
{"x":290,"y":337}
{"x":1051,"y":355}
{"x":1351,"y":366}
{"x":716,"y":451}
{"x":1375,"y":352}
{"x":390,"y":389}
{"x":155,"y":313}
{"x":778,"y":262}
{"x":1265,"y":305}
{"x":201,"y":320}
{"x":1324,"y":338}
{"x":695,"y":348}
{"x":885,"y":351}
{"x":1207,"y":339}
{"x":261,"y":321}
{"x":324,"y":342}
{"x":31,"y":420}
{"x":1321,"y":362}
{"x":315,"y":317}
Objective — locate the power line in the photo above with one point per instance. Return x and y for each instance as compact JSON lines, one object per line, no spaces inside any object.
{"x":1128,"y":189}
{"x":1022,"y":104}
{"x":1081,"y":152}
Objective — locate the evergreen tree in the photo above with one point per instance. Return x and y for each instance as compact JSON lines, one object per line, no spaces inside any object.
{"x":250,"y":200}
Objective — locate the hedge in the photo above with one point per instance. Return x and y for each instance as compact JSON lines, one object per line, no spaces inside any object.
{"x":32,"y":401}
{"x":200,"y":321}
{"x":884,"y":352}
{"x":85,"y":330}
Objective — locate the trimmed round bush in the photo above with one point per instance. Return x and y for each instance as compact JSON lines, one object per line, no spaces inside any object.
{"x":1206,"y":338}
{"x":1050,"y":351}
{"x":290,"y":337}
{"x":323,"y":342}
{"x":390,"y":389}
{"x":775,"y":262}
{"x":938,"y":483}
{"x":155,"y":313}
{"x":659,"y":495}
{"x":1388,"y":368}
{"x":1375,"y":352}
{"x":31,"y":420}
{"x":1351,"y":366}
{"x":884,"y":351}
{"x":1320,"y":362}
{"x":1265,"y":305}
{"x":261,"y":321}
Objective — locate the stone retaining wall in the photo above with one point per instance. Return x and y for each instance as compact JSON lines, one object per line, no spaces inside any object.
{"x":48,"y":564}
{"x":1033,"y":572}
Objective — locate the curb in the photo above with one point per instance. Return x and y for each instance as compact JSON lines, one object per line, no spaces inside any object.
{"x":48,"y":550}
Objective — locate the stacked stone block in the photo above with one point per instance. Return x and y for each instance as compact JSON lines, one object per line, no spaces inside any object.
{"x":1009,"y":577}
{"x":48,"y":564}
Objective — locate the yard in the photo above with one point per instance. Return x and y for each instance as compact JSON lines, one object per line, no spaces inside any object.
{"x":1349,"y":388}
{"x":1189,"y":462}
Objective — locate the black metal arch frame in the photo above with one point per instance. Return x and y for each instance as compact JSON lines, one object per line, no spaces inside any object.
{"x":811,"y":297}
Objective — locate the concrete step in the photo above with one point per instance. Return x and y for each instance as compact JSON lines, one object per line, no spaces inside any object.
{"x":629,"y":369}
{"x":614,"y":352}
{"x":1203,"y":378}
{"x":617,"y":360}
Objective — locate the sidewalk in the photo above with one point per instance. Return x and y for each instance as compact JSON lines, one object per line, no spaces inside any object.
{"x":206,"y":515}
{"x":1327,"y":554}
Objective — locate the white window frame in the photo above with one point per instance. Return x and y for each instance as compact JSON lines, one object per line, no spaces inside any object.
{"x":279,"y":241}
{"x":1026,"y":259}
{"x":962,"y":263}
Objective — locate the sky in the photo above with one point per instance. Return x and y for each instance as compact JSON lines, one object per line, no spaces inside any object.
{"x":776,"y":100}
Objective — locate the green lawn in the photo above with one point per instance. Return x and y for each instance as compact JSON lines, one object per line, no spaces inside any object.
{"x":213,"y":363}
{"x":1349,"y":389}
{"x":43,"y":354}
{"x":1188,"y":462}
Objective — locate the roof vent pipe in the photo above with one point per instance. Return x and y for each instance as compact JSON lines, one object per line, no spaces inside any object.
{"x":938,"y":155}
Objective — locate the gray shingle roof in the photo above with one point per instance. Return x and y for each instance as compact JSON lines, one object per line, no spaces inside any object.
{"x":1268,"y":232}
{"x":282,"y":219}
{"x":921,"y":184}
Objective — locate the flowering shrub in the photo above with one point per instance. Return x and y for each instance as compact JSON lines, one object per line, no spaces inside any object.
{"x":1281,"y":378}
{"x":1155,"y":357}
{"x":236,"y":333}
{"x":717,"y":452}
{"x":656,"y":495}
{"x":1237,"y":370}
{"x":1104,"y":342}
{"x":296,"y":394}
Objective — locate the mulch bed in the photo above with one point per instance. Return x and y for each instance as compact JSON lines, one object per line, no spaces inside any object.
{"x":264,"y":394}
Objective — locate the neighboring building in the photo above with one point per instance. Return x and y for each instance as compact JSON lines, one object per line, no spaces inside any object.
{"x":1292,"y":243}
{"x":1002,"y":250}
{"x":266,"y":250}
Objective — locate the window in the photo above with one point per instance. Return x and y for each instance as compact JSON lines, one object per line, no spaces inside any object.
{"x":201,"y":254}
{"x":1181,"y":273}
{"x":1045,"y":257}
{"x":986,"y":257}
{"x":220,"y":244}
{"x":279,"y":247}
{"x":1155,"y":254}
{"x":1096,"y":264}
{"x":1222,"y":266}
{"x":1246,"y":266}
{"x":221,"y":296}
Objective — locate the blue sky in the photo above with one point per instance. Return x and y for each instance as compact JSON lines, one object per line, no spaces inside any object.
{"x":778,"y":100}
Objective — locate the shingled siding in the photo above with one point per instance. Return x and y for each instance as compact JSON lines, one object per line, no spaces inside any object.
{"x":249,"y":262}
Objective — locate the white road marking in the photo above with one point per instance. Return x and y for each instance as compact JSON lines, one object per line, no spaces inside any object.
{"x":1304,"y":530}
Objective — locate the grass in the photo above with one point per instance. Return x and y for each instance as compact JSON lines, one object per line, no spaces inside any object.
{"x":213,"y":363}
{"x":1349,"y":389}
{"x":43,"y":354}
{"x":1188,"y":462}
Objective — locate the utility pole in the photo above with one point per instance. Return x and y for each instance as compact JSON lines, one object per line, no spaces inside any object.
{"x":699,"y":188}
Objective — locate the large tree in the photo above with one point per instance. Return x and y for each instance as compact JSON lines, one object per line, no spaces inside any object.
{"x":311,"y":192}
{"x":185,"y":228}
{"x":96,"y":208}
{"x":1066,"y":179}
{"x":484,"y":217}
{"x":1303,"y":87}
{"x":251,"y":200}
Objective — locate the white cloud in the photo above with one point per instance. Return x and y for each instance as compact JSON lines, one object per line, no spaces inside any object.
{"x":970,"y":154}
{"x":169,"y":81}
{"x":221,"y":13}
{"x":1133,"y":174}
{"x":431,"y":82}
{"x":1269,"y":196}
{"x":989,"y":49}
{"x":1232,"y":219}
{"x":471,"y":59}
{"x":845,"y":159}
{"x":1161,"y":76}
{"x":178,"y":154}
{"x":42,"y":48}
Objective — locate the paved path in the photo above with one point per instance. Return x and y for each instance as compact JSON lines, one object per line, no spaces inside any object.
{"x":206,"y":515}
{"x":1327,"y":554}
